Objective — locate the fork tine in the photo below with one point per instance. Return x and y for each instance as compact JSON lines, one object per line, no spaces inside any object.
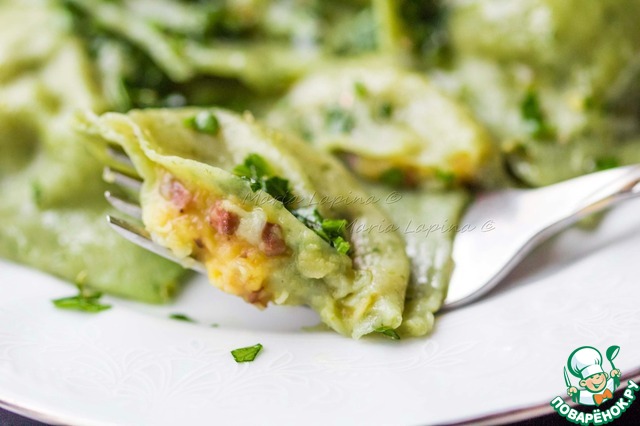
{"x":119,"y":156}
{"x":125,"y":206}
{"x":117,"y":177}
{"x":141,"y":237}
{"x":134,"y":233}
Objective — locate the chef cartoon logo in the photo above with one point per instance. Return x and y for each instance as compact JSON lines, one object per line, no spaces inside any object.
{"x":591,"y":382}
{"x":596,"y":385}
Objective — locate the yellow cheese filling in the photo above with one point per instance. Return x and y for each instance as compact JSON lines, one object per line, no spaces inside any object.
{"x":239,"y":248}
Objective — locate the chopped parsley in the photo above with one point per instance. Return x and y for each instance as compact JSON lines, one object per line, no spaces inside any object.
{"x":85,"y":301}
{"x":607,"y":162}
{"x":535,"y":118}
{"x":448,"y":178}
{"x":360,"y":89}
{"x":181,"y":317}
{"x":392,"y":177}
{"x":388,"y":332}
{"x":331,"y":230}
{"x":247,"y":354}
{"x":385,"y":110}
{"x":278,"y":188}
{"x":204,"y":122}
{"x":339,"y":120}
{"x":257,"y":172}
{"x":36,"y":193}
{"x":341,"y":245}
{"x":589,"y":103}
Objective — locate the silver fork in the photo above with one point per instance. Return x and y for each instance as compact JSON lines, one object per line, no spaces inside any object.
{"x":502,"y":227}
{"x":133,"y":231}
{"x":515,"y":221}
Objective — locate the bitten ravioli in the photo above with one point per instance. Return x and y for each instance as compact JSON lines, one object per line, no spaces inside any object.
{"x":195,"y":203}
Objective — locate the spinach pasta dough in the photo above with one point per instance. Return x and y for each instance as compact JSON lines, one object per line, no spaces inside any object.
{"x":51,"y":188}
{"x":392,"y":127}
{"x":238,"y":197}
{"x":388,"y":122}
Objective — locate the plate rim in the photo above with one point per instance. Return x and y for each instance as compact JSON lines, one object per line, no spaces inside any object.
{"x":509,"y":416}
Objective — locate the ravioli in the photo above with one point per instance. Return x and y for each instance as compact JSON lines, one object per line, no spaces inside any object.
{"x":52,"y":206}
{"x":409,"y":142}
{"x":581,"y":74}
{"x":428,"y":220}
{"x":274,"y":220}
{"x":252,"y":244}
{"x":385,"y":120}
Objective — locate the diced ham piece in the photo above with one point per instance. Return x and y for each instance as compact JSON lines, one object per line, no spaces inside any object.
{"x":223,"y":221}
{"x":172,"y":190}
{"x":273,"y":240}
{"x":352,"y":160}
{"x":253,"y":297}
{"x":411,"y":178}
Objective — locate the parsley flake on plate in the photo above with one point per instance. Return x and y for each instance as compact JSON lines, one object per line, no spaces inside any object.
{"x":181,"y":317}
{"x":85,"y":301}
{"x":247,"y":354}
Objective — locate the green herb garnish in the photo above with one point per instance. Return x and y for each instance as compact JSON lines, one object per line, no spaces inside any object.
{"x":36,"y":193}
{"x":389,"y":332}
{"x":181,"y":317}
{"x":247,"y":354}
{"x":392,"y":177}
{"x":360,"y":89}
{"x":448,"y":178}
{"x":203,"y":122}
{"x":257,"y":172}
{"x":341,"y":245}
{"x":589,"y":103}
{"x":331,"y":230}
{"x":604,"y":163}
{"x":533,"y":115}
{"x":278,"y":188}
{"x":339,"y":120}
{"x":85,"y":301}
{"x":385,"y":110}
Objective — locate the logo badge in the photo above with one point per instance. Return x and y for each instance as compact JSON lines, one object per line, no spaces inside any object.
{"x":596,"y":384}
{"x":591,"y":382}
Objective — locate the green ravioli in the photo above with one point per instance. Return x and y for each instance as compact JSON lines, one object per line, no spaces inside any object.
{"x":52,"y":210}
{"x":212,"y":192}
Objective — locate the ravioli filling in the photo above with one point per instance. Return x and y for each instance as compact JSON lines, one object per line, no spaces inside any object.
{"x":239,"y":248}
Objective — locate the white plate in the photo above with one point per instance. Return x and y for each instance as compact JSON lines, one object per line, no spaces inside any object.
{"x":133,"y":366}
